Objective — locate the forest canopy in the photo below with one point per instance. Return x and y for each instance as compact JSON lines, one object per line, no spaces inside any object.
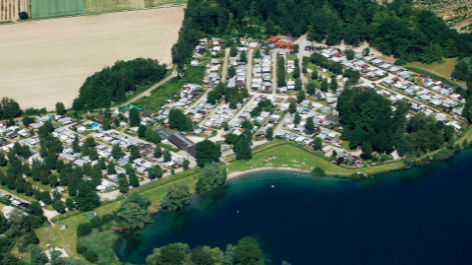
{"x":394,"y":28}
{"x":115,"y":84}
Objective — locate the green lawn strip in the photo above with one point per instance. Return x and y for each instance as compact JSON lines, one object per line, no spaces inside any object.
{"x":169,"y":147}
{"x":433,"y":76}
{"x":287,"y":153}
{"x":443,"y":68}
{"x":157,"y":3}
{"x":160,"y":95}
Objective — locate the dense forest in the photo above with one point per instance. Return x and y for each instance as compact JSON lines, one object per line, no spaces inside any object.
{"x":370,"y":122}
{"x":115,"y":84}
{"x":395,"y":28}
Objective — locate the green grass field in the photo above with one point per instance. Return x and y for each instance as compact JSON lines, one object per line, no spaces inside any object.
{"x":103,"y":6}
{"x":56,"y":8}
{"x":155,"y":3}
{"x":292,"y":156}
{"x":443,"y":69}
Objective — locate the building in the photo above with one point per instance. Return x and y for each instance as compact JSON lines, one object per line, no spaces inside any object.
{"x":183,"y":143}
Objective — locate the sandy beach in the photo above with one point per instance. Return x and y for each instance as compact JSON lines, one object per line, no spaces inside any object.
{"x":241,"y":173}
{"x":46,"y":61}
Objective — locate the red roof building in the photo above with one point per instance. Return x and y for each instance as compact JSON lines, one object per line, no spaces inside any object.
{"x":273,"y":39}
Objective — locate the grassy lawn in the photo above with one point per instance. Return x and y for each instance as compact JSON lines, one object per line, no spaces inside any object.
{"x":292,"y":156}
{"x":160,"y":95}
{"x":155,"y":3}
{"x":444,"y":68}
{"x":101,"y":6}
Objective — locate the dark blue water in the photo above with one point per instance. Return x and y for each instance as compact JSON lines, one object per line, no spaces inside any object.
{"x":419,"y":216}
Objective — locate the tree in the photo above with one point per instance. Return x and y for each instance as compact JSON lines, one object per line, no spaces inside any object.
{"x":111,"y":168}
{"x":134,"y":153}
{"x":231,"y":71}
{"x":178,"y":120}
{"x":46,"y":197}
{"x":3,"y":161}
{"x":297,"y":118}
{"x":167,"y":156}
{"x":207,"y":152}
{"x":150,"y":134}
{"x":367,"y":150}
{"x":310,"y":125}
{"x":87,"y":199}
{"x":233,"y":52}
{"x":134,"y":119}
{"x":35,"y":208}
{"x":311,"y":88}
{"x":210,"y":178}
{"x":314,"y":74}
{"x":175,"y":253}
{"x":292,"y":108}
{"x":9,"y":108}
{"x":334,"y":84}
{"x":38,"y":257}
{"x":318,"y":144}
{"x":269,"y":134}
{"x":247,"y":252}
{"x":84,"y":229}
{"x":242,"y":149}
{"x":186,"y":165}
{"x":298,"y":84}
{"x":465,"y":144}
{"x":157,"y":151}
{"x":123,"y":184}
{"x":142,"y":131}
{"x":257,"y":53}
{"x":366,"y":51}
{"x":350,"y":53}
{"x":133,"y":179}
{"x":324,"y":85}
{"x":301,"y":96}
{"x":142,"y":200}
{"x":133,"y":216}
{"x":116,"y":151}
{"x":59,"y":206}
{"x":176,"y":197}
{"x":60,"y":108}
{"x":70,"y":203}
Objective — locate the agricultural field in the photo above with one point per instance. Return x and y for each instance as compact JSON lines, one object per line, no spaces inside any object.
{"x":47,"y":61}
{"x":103,"y":6}
{"x":154,"y":3}
{"x":56,"y":8}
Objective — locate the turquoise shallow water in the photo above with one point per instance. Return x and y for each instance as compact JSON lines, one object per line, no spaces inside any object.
{"x":418,"y":216}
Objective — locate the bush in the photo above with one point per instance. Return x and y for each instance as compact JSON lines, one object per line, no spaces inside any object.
{"x":96,"y":222}
{"x":91,"y":256}
{"x":107,"y":218}
{"x":442,"y":154}
{"x":81,"y":249}
{"x":318,"y":172}
{"x":400,"y":62}
{"x":84,"y":229}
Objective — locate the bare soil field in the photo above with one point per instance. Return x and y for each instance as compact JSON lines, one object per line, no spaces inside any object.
{"x":43,"y":62}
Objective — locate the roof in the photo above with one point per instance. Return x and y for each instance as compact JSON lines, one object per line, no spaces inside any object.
{"x":183,"y":143}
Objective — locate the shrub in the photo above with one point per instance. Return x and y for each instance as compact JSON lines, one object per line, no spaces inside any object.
{"x":400,"y":62}
{"x":91,"y":256}
{"x":96,"y":222}
{"x":318,"y":172}
{"x":84,"y":229}
{"x":442,"y":154}
{"x":81,"y":249}
{"x":107,"y":218}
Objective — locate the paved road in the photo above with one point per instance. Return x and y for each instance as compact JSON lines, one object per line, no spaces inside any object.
{"x":249,"y":69}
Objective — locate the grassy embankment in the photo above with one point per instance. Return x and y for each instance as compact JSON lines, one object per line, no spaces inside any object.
{"x":159,"y":96}
{"x":283,"y":154}
{"x":438,"y":70}
{"x":156,"y":3}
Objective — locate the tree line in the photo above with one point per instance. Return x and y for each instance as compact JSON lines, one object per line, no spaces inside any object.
{"x":117,"y":83}
{"x":394,"y":28}
{"x":370,"y":122}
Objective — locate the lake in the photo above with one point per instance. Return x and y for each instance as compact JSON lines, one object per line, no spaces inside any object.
{"x":419,"y":216}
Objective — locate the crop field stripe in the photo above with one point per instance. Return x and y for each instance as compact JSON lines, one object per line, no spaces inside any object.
{"x":56,"y":8}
